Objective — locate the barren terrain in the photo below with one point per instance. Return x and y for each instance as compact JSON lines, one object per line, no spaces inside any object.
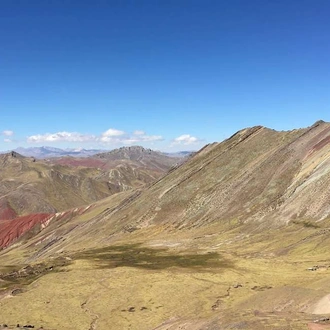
{"x":235,"y":238}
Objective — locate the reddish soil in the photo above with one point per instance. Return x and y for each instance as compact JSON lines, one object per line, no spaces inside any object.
{"x":323,"y":139}
{"x":322,"y":143}
{"x":88,"y":162}
{"x":6,"y":212}
{"x":10,"y":230}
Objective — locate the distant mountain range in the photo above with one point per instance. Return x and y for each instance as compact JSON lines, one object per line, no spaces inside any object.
{"x":179,"y":154}
{"x":30,"y":185}
{"x":50,"y":152}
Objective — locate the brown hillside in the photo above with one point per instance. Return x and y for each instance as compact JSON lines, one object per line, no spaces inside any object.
{"x":34,"y":186}
{"x":30,"y":186}
{"x":127,"y":167}
{"x":235,"y":238}
{"x":258,"y":175}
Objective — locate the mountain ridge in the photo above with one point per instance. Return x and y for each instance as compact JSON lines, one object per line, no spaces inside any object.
{"x":51,"y":152}
{"x":242,"y":228}
{"x":277,"y":165}
{"x":38,"y":186}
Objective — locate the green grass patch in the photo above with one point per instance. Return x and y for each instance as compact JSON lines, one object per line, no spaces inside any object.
{"x":306,"y":223}
{"x":134,"y":255}
{"x":19,"y":276}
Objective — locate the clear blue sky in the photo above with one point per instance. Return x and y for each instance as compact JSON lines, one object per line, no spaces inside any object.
{"x":166,"y":74}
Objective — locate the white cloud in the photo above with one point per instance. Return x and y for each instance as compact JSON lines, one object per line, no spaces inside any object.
{"x":186,"y":139}
{"x":139,"y":132}
{"x":7,"y":140}
{"x":110,"y":137}
{"x":7,"y":133}
{"x":144,"y":138}
{"x":61,"y":137}
{"x":113,"y":136}
{"x":111,"y":132}
{"x":147,"y":138}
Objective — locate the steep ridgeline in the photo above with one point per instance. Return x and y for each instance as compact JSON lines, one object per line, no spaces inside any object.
{"x":258,"y":174}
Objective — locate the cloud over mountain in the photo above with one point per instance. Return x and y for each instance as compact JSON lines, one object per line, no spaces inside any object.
{"x":61,"y":137}
{"x":185,"y":139}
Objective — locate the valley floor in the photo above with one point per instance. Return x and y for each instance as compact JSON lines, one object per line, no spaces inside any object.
{"x":163,"y":285}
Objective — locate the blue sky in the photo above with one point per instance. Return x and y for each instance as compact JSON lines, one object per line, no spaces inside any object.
{"x":170,"y":75}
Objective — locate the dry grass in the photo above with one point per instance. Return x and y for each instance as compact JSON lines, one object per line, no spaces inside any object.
{"x":133,"y":286}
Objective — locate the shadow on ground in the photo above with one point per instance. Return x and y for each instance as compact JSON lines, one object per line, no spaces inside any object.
{"x":134,"y":255}
{"x":20,"y":276}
